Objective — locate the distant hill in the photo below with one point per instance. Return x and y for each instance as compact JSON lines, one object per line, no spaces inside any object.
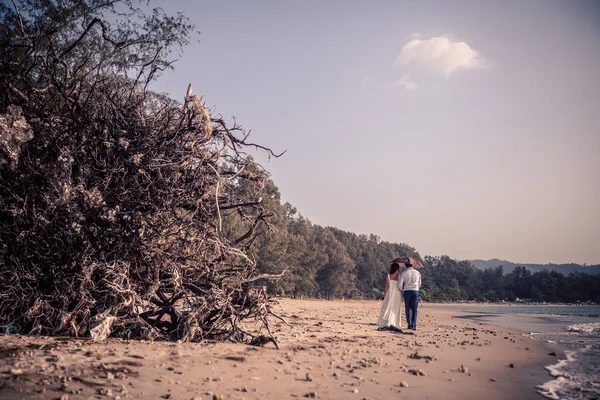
{"x":564,"y":269}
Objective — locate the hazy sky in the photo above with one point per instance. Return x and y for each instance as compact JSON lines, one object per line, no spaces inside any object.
{"x":466,"y":128}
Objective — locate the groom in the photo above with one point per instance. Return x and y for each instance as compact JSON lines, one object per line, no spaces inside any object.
{"x":409,"y":283}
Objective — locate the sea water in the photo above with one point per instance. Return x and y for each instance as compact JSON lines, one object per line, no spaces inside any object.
{"x":550,"y":309}
{"x":578,"y":375}
{"x":575,"y":330}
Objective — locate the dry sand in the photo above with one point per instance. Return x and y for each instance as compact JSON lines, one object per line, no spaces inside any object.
{"x":330,"y":350}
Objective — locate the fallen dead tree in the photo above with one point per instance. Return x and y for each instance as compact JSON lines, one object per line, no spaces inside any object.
{"x":111,"y":195}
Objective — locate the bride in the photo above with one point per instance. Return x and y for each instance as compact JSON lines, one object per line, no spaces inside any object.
{"x":391,"y":309}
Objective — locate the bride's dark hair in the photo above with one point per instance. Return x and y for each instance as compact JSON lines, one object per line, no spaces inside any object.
{"x":394,"y":268}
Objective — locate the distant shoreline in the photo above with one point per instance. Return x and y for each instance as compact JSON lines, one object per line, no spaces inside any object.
{"x":513,"y":303}
{"x":455,"y":303}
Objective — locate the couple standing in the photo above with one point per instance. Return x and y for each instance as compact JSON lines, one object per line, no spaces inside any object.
{"x":398,"y":285}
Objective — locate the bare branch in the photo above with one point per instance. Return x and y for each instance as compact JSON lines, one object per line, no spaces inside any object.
{"x":20,"y":19}
{"x":266,"y":276}
{"x":86,"y":31}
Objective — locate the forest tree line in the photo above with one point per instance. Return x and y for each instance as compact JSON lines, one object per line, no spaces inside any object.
{"x":330,"y":263}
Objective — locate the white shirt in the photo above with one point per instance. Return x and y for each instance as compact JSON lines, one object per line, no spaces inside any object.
{"x":410,"y":279}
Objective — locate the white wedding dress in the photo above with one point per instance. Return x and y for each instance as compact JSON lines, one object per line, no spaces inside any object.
{"x":391,"y":309}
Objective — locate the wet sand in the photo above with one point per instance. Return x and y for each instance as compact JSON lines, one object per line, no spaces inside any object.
{"x":329,"y":350}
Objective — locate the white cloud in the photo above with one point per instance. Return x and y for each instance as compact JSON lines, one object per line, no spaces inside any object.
{"x":442,"y":55}
{"x":406,"y":82}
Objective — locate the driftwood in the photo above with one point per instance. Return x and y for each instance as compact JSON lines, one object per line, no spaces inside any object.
{"x":118,"y":249}
{"x":111,"y":196}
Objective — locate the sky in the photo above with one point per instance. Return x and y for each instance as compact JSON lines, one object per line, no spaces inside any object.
{"x":462,"y":128}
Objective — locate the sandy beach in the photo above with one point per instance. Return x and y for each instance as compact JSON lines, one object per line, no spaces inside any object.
{"x":329,"y":350}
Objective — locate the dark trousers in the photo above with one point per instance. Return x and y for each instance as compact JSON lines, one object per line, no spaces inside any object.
{"x":411,"y":303}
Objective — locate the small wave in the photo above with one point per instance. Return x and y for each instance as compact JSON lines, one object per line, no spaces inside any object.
{"x":555,"y":388}
{"x":588,"y":329}
{"x":574,"y":376}
{"x":552,"y":389}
